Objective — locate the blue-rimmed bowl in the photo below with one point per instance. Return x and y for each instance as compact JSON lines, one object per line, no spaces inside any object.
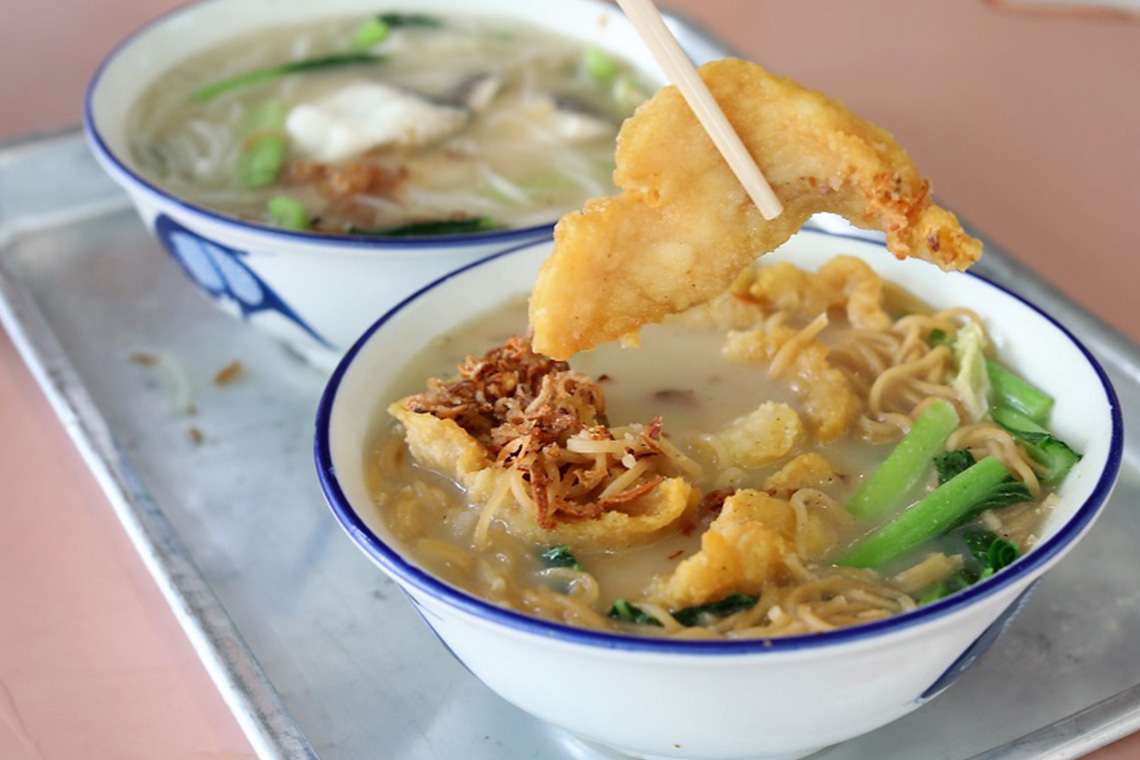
{"x":317,"y":292}
{"x":778,"y":698}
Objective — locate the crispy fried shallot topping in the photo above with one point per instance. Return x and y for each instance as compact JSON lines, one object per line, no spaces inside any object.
{"x":548,"y":421}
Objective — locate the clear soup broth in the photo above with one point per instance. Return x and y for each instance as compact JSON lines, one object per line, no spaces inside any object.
{"x":392,"y":125}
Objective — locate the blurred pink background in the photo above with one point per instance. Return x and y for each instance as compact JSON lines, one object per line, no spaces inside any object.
{"x":1027,"y":121}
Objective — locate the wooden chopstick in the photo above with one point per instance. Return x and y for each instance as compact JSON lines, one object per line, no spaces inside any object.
{"x":646,"y":19}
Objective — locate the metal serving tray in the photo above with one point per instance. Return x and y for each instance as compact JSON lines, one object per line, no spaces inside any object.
{"x":316,"y":653}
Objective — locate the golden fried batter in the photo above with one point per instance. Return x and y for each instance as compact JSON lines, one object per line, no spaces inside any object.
{"x":829,"y":400}
{"x":743,"y":549}
{"x":810,"y":470}
{"x":845,"y":283}
{"x":683,"y":226}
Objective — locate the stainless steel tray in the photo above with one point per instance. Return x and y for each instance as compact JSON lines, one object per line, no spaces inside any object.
{"x":316,"y":653}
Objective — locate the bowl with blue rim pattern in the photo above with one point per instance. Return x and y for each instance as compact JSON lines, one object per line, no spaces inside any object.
{"x":316,"y":291}
{"x":775,"y":698}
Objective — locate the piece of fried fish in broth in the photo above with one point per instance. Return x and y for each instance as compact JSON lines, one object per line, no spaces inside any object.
{"x":683,"y":227}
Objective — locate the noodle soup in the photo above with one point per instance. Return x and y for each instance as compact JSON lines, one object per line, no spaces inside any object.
{"x":756,"y":468}
{"x":388,"y":126}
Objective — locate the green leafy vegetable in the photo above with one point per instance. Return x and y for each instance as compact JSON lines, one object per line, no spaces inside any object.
{"x":938,"y":337}
{"x":372,"y":31}
{"x":971,"y":380}
{"x":993,"y":551}
{"x":628,"y":613}
{"x":950,"y":463}
{"x":990,"y":553}
{"x":288,"y":213}
{"x":335,"y":60}
{"x":559,"y":556}
{"x":261,"y":159}
{"x":947,"y":586}
{"x":437,"y":227}
{"x":1010,"y":390}
{"x":1044,"y":447}
{"x":396,"y":20}
{"x":985,"y":485}
{"x":885,"y":489}
{"x":730,"y":605}
{"x":1005,"y":494}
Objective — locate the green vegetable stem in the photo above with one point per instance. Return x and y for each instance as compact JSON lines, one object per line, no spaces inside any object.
{"x":288,"y":213}
{"x":263,"y":152}
{"x":261,"y":158}
{"x":884,"y":490}
{"x":431,"y":227}
{"x":985,"y":485}
{"x":335,"y":60}
{"x":599,"y":65}
{"x":1009,"y":390}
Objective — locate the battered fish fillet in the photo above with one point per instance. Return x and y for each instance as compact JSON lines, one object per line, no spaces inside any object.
{"x":683,"y":227}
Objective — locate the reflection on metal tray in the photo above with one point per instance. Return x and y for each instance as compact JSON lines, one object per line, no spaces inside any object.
{"x":317,"y":654}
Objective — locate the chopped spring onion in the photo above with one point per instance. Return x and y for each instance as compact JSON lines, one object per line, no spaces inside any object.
{"x":263,"y":152}
{"x":335,"y":60}
{"x":985,"y":485}
{"x":261,"y":158}
{"x":372,"y":31}
{"x":599,"y":65}
{"x":288,"y":213}
{"x":885,"y":489}
{"x":559,"y":556}
{"x":437,"y":227}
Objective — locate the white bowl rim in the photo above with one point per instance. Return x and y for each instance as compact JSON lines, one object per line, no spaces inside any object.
{"x":348,"y":242}
{"x":379,"y":551}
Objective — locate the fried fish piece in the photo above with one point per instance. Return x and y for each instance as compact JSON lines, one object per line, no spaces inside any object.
{"x":683,"y":227}
{"x":745,"y":547}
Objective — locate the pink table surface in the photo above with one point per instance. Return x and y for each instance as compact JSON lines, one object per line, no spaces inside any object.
{"x":1026,"y":122}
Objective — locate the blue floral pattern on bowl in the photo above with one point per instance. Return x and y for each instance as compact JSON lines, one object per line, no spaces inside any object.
{"x":221,"y":273}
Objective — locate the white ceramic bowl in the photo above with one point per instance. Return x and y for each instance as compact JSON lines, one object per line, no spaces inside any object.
{"x":315,"y":292}
{"x":777,"y":698}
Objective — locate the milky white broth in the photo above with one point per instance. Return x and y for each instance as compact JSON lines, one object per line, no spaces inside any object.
{"x":511,"y":163}
{"x":672,"y":357}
